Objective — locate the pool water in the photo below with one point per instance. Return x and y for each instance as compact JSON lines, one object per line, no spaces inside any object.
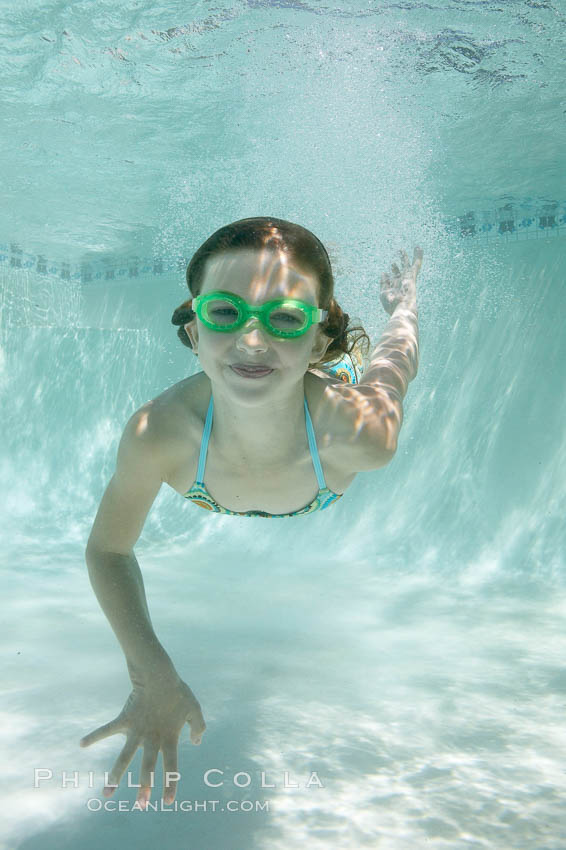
{"x":406,"y":647}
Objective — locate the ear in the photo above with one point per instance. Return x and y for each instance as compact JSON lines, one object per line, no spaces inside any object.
{"x":320,"y":344}
{"x":192,"y":333}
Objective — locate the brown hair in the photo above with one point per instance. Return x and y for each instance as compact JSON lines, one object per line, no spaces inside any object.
{"x":302,"y":246}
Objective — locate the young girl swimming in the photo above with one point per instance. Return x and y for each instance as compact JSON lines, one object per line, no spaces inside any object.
{"x":283,"y":388}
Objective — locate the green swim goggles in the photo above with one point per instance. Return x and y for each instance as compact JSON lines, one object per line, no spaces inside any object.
{"x":285,"y":317}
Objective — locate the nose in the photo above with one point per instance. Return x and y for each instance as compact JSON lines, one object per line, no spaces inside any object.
{"x":252,"y":336}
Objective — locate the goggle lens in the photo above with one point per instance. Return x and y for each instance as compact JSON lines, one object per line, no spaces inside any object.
{"x":287,"y":318}
{"x":224,"y":314}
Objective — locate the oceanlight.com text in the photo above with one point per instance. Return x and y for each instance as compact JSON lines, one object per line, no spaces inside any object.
{"x":194,"y":806}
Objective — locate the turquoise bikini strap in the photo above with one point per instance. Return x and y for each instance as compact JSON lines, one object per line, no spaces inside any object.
{"x":314,"y":450}
{"x":310,"y":434}
{"x":204,"y":443}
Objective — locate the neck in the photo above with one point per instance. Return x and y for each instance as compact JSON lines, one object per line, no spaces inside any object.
{"x":261,"y":433}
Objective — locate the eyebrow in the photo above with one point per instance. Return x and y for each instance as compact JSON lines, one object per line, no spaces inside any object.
{"x":267,"y":301}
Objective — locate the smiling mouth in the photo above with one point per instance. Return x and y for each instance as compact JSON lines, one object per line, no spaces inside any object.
{"x":251,"y":371}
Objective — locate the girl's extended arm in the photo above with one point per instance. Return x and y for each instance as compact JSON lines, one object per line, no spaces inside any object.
{"x":395,"y":360}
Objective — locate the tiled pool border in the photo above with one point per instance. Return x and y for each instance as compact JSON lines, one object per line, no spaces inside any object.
{"x":509,"y":223}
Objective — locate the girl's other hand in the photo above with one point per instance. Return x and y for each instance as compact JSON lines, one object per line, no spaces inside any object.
{"x":401,"y":285}
{"x":152,"y":718}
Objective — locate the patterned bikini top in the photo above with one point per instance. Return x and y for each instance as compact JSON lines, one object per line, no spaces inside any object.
{"x":201,"y":497}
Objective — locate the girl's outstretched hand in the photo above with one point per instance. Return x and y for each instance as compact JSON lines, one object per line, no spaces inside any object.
{"x":402,"y":284}
{"x":152,"y":718}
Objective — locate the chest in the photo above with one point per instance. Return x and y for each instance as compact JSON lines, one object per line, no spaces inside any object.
{"x":278,"y":488}
{"x":239,"y":484}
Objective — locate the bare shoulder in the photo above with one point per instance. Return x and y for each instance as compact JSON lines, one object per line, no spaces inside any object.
{"x":171,"y":420}
{"x":353,"y":421}
{"x":178,"y":404}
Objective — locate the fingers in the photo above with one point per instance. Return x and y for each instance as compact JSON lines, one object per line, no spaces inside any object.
{"x":150,"y":753}
{"x":197,"y":724}
{"x":416,"y":264}
{"x":387,"y":282}
{"x":102,"y":732}
{"x":120,"y":765}
{"x":169,"y":749}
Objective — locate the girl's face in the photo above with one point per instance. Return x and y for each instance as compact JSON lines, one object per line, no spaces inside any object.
{"x":257,"y":277}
